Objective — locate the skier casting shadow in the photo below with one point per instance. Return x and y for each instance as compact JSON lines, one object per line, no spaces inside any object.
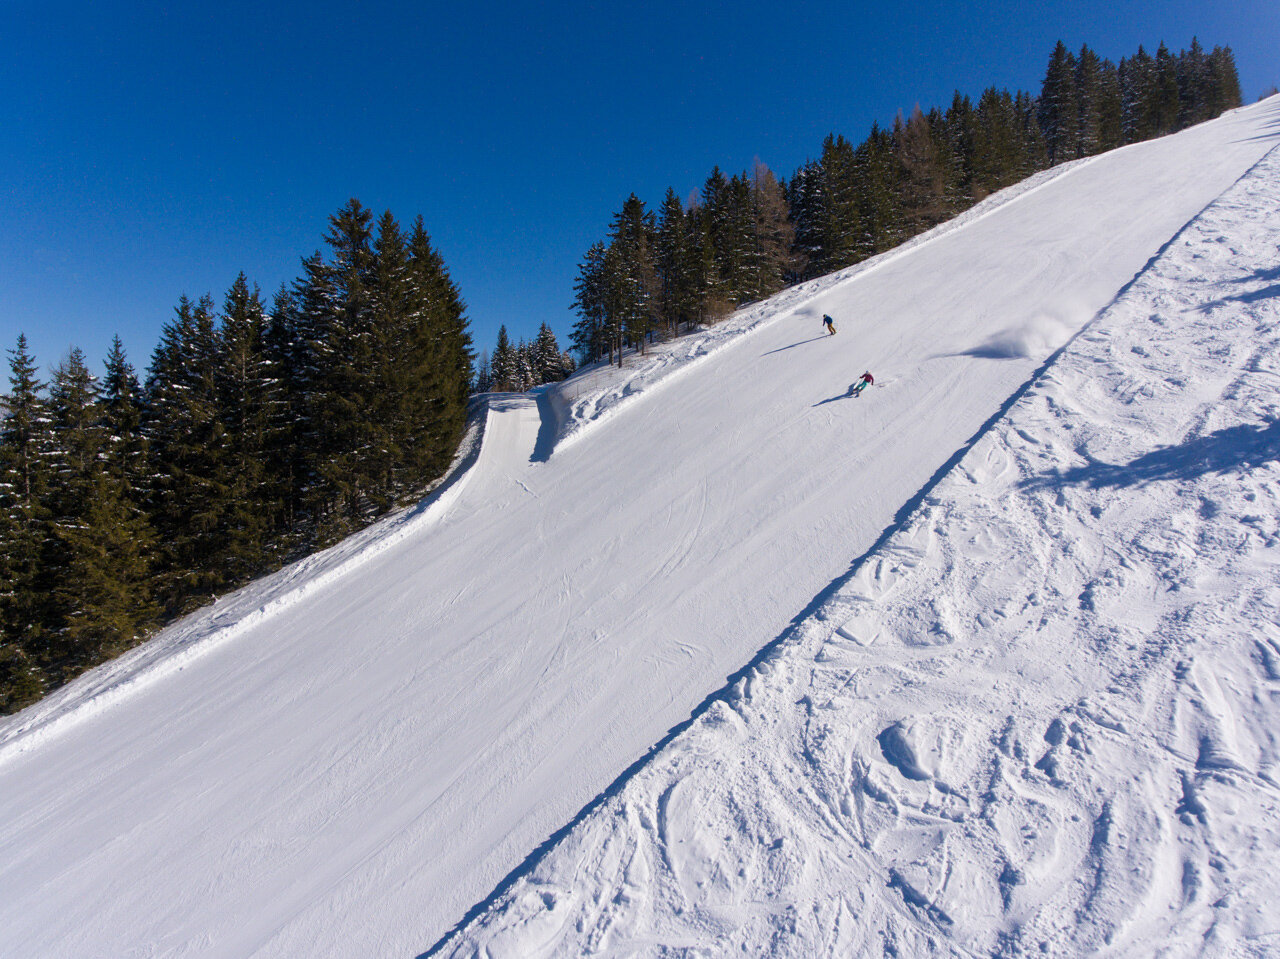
{"x":855,"y":389}
{"x":827,"y":324}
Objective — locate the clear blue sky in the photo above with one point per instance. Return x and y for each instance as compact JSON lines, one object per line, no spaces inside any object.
{"x":154,"y":149}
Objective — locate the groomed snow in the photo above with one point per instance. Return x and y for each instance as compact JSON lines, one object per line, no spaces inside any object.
{"x":343,"y":759}
{"x":1043,"y":718}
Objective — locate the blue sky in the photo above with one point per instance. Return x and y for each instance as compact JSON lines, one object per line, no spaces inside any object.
{"x":155,"y":149}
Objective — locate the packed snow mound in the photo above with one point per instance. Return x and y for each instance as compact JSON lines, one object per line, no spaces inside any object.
{"x":348,"y":758}
{"x":1044,"y":718}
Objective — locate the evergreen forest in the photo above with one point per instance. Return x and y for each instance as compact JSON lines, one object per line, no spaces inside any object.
{"x":521,"y":367}
{"x":749,"y":235}
{"x":258,"y":434}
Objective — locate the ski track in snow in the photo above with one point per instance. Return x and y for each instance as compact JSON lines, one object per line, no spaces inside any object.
{"x":341,"y":758}
{"x":1044,"y":718}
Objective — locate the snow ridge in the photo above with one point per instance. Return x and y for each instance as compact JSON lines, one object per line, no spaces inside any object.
{"x":1039,"y":717}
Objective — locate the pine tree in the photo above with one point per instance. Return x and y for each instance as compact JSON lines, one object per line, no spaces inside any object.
{"x":22,"y":681}
{"x":804,"y":199}
{"x":389,"y":370}
{"x":1138,"y":94}
{"x":505,"y":364}
{"x":336,"y":303}
{"x":484,"y":375}
{"x":548,"y":361}
{"x":566,"y":364}
{"x":878,"y":189}
{"x":922,"y":187}
{"x":1223,"y":91}
{"x":710,"y":290}
{"x":125,"y":451}
{"x":106,"y":589}
{"x":730,"y":222}
{"x":80,"y":438}
{"x":1032,"y":148}
{"x":839,"y":241}
{"x":248,"y":401}
{"x":961,"y":121}
{"x":524,"y":368}
{"x":949,"y":164}
{"x":284,"y":346}
{"x":676,"y":261}
{"x":1110,"y":108}
{"x":439,"y":389}
{"x":76,"y":461}
{"x":186,"y":441}
{"x":773,"y":234}
{"x":590,"y":336}
{"x":712,"y":222}
{"x":1060,"y":107}
{"x":1193,"y":79}
{"x":400,"y":372}
{"x":26,"y":640}
{"x":108,"y":583}
{"x":997,"y":160}
{"x":104,"y":544}
{"x":1088,"y":102}
{"x":632,"y":280}
{"x":1166,"y":100}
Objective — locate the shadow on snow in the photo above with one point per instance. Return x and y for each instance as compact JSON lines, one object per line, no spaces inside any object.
{"x":821,"y":336}
{"x":1230,"y":450}
{"x":847,"y":394}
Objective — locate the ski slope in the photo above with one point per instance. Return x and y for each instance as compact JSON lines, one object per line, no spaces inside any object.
{"x":1042,"y":719}
{"x":345,"y":758}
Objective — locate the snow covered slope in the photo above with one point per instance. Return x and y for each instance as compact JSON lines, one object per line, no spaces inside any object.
{"x":343,"y":759}
{"x":1043,"y":718}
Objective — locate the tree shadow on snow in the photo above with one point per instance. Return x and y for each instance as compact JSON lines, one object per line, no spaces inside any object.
{"x":1253,"y":296}
{"x":1231,"y":450}
{"x":1260,"y":276}
{"x":1273,"y":124}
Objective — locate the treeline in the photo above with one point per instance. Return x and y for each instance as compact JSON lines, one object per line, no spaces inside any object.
{"x":745,"y":237}
{"x":258,"y":435}
{"x":524,"y":366}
